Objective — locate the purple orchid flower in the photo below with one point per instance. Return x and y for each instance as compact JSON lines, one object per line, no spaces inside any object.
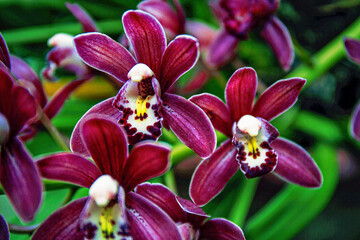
{"x":190,"y":219}
{"x":143,"y":104}
{"x":238,"y":18}
{"x":112,"y":210}
{"x":4,"y":229}
{"x":63,"y":54}
{"x":18,"y":174}
{"x":254,"y":142}
{"x":352,"y":47}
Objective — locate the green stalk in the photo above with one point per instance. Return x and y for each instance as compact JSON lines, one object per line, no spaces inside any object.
{"x":327,"y":57}
{"x":170,"y":182}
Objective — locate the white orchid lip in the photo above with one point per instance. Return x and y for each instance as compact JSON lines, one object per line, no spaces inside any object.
{"x":61,"y":40}
{"x":140,"y":72}
{"x":250,"y":125}
{"x":103,"y":190}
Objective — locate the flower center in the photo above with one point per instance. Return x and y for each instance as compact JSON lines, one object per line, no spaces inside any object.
{"x":4,"y":129}
{"x":250,"y":127}
{"x":103,"y":190}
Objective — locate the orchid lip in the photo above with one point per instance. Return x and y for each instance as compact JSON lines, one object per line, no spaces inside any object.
{"x":140,"y":72}
{"x":103,"y":190}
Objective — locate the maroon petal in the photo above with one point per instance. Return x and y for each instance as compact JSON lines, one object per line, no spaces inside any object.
{"x":221,"y":49}
{"x":64,"y":224}
{"x":163,"y":198}
{"x":104,"y":108}
{"x":195,"y":215}
{"x":204,"y":33}
{"x":196,"y":82}
{"x":104,"y":54}
{"x":295,"y":164}
{"x":189,"y":123}
{"x":278,"y":98}
{"x":279,"y":39}
{"x":355,"y":123}
{"x":216,"y":110}
{"x":4,"y":52}
{"x":58,"y":100}
{"x":352,"y":47}
{"x":240,"y":92}
{"x":165,"y":14}
{"x":146,"y":160}
{"x":220,"y":229}
{"x":20,"y":180}
{"x":4,"y":230}
{"x":68,"y":167}
{"x":147,"y":38}
{"x":211,"y":176}
{"x":83,"y":17}
{"x":147,"y":221}
{"x":22,"y":71}
{"x":179,"y":57}
{"x":107,"y":144}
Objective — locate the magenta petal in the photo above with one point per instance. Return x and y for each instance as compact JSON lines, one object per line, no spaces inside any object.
{"x":68,"y":167}
{"x":146,"y":160}
{"x":107,"y":144}
{"x":279,"y":39}
{"x":58,"y":100}
{"x":83,"y":17}
{"x":295,"y":164}
{"x":147,"y":38}
{"x":104,"y":54}
{"x":216,"y":110}
{"x":179,"y":57}
{"x":204,"y":33}
{"x":278,"y":98}
{"x":352,"y":47}
{"x":20,"y":180}
{"x":22,"y":71}
{"x":64,"y":224}
{"x":211,"y":176}
{"x":105,"y":108}
{"x":163,"y":198}
{"x":4,"y":230}
{"x":200,"y":78}
{"x":4,"y":52}
{"x":221,"y":49}
{"x":220,"y":229}
{"x":355,"y":123}
{"x":189,"y":123}
{"x":195,"y":215}
{"x":147,"y":221}
{"x":240,"y":92}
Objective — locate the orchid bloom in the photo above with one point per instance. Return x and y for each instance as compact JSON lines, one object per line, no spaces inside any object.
{"x":112,"y":210}
{"x":352,"y":47}
{"x":190,"y":219}
{"x":18,"y":174}
{"x":238,"y":18}
{"x":143,"y":105}
{"x":254,"y":142}
{"x":63,"y":54}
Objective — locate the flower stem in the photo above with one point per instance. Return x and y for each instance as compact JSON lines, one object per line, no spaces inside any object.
{"x":170,"y":181}
{"x":22,"y":229}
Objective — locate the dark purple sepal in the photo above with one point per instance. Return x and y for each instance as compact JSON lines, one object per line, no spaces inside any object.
{"x":179,"y":57}
{"x":221,"y":49}
{"x":83,"y":17}
{"x":147,"y":221}
{"x":60,"y":96}
{"x":240,"y":92}
{"x":296,"y":165}
{"x":64,"y":224}
{"x":146,"y":160}
{"x":352,"y":47}
{"x":20,"y":179}
{"x":104,"y":108}
{"x":189,"y":123}
{"x":212,"y":174}
{"x":4,"y":229}
{"x":68,"y":167}
{"x":22,"y":71}
{"x":147,"y":38}
{"x":278,"y":98}
{"x":4,"y":52}
{"x":104,"y":54}
{"x":220,"y":229}
{"x":355,"y":123}
{"x":195,"y":215}
{"x":107,"y":144}
{"x":278,"y":37}
{"x":216,"y":110}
